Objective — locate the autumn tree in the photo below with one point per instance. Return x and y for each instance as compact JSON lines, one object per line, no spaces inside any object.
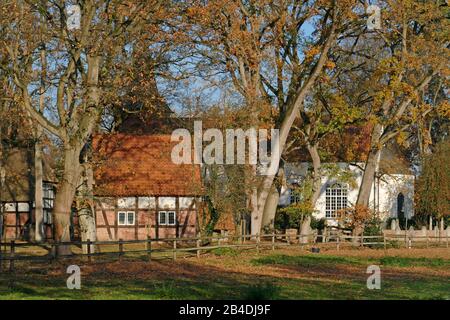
{"x":266,"y":51}
{"x":400,"y":60}
{"x":433,"y":186}
{"x":79,"y":60}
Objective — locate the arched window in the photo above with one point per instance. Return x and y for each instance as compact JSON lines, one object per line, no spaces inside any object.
{"x":335,"y":199}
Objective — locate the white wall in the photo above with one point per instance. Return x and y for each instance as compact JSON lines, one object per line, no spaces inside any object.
{"x":383,"y":194}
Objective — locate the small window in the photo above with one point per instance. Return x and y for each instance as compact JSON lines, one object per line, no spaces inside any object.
{"x":162,"y":218}
{"x":167,"y":218}
{"x":126,"y":218}
{"x":130,"y":220}
{"x":171,"y":218}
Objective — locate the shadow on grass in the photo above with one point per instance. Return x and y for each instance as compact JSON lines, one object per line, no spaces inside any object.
{"x":291,"y":277}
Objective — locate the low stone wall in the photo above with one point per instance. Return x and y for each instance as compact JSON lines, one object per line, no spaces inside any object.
{"x":421,"y":235}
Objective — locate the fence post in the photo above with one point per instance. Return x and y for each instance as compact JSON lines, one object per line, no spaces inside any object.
{"x":88,"y":249}
{"x":53,"y":252}
{"x":148,"y":245}
{"x":120,"y":250}
{"x":447,"y":240}
{"x":427,"y":241}
{"x":174,"y":249}
{"x":384,"y":242}
{"x":273,"y":241}
{"x":258,"y":239}
{"x":12,"y":256}
{"x":362,"y":240}
{"x":198,"y":247}
{"x":288,"y":239}
{"x":338,"y":242}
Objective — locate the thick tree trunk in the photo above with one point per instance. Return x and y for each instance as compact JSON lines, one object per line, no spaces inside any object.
{"x":370,"y":167}
{"x":316,"y":177}
{"x":64,"y":198}
{"x":262,"y":196}
{"x":270,"y":208}
{"x":2,"y":181}
{"x":305,"y":229}
{"x":255,"y":226}
{"x":86,"y":211}
{"x":38,"y":170}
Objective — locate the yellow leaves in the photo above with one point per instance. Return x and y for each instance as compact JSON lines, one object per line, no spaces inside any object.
{"x":402,"y":139}
{"x":443,"y":109}
{"x":311,"y":53}
{"x":329,"y":65}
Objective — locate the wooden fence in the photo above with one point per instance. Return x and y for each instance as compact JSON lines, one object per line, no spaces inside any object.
{"x":170,"y":247}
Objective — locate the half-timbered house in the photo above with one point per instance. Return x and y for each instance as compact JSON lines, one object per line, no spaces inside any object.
{"x":139,"y":192}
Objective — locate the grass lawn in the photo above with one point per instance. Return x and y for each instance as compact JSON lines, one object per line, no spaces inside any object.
{"x":229,"y":274}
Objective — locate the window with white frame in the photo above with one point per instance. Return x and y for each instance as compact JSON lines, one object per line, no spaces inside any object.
{"x":167,"y":218}
{"x":335,"y":199}
{"x":126,"y":218}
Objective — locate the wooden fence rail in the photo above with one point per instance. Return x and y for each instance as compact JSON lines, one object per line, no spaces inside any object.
{"x":203,"y":244}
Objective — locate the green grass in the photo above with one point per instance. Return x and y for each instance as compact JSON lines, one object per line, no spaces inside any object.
{"x":329,"y":261}
{"x":305,"y":261}
{"x":414,"y":262}
{"x":232,"y":252}
{"x":316,"y":276}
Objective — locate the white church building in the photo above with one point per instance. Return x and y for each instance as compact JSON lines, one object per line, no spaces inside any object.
{"x":392,"y":193}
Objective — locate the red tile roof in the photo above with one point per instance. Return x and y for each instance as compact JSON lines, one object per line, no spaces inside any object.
{"x":141,"y":165}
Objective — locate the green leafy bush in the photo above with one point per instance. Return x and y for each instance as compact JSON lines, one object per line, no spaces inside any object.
{"x":318,"y":224}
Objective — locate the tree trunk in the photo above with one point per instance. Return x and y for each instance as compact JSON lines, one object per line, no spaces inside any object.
{"x":38,"y":170}
{"x":38,"y":191}
{"x":370,"y":167}
{"x":64,"y":198}
{"x":270,"y":208}
{"x":255,"y":226}
{"x":305,"y":229}
{"x":317,"y":181}
{"x":86,"y":213}
{"x":2,"y":181}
